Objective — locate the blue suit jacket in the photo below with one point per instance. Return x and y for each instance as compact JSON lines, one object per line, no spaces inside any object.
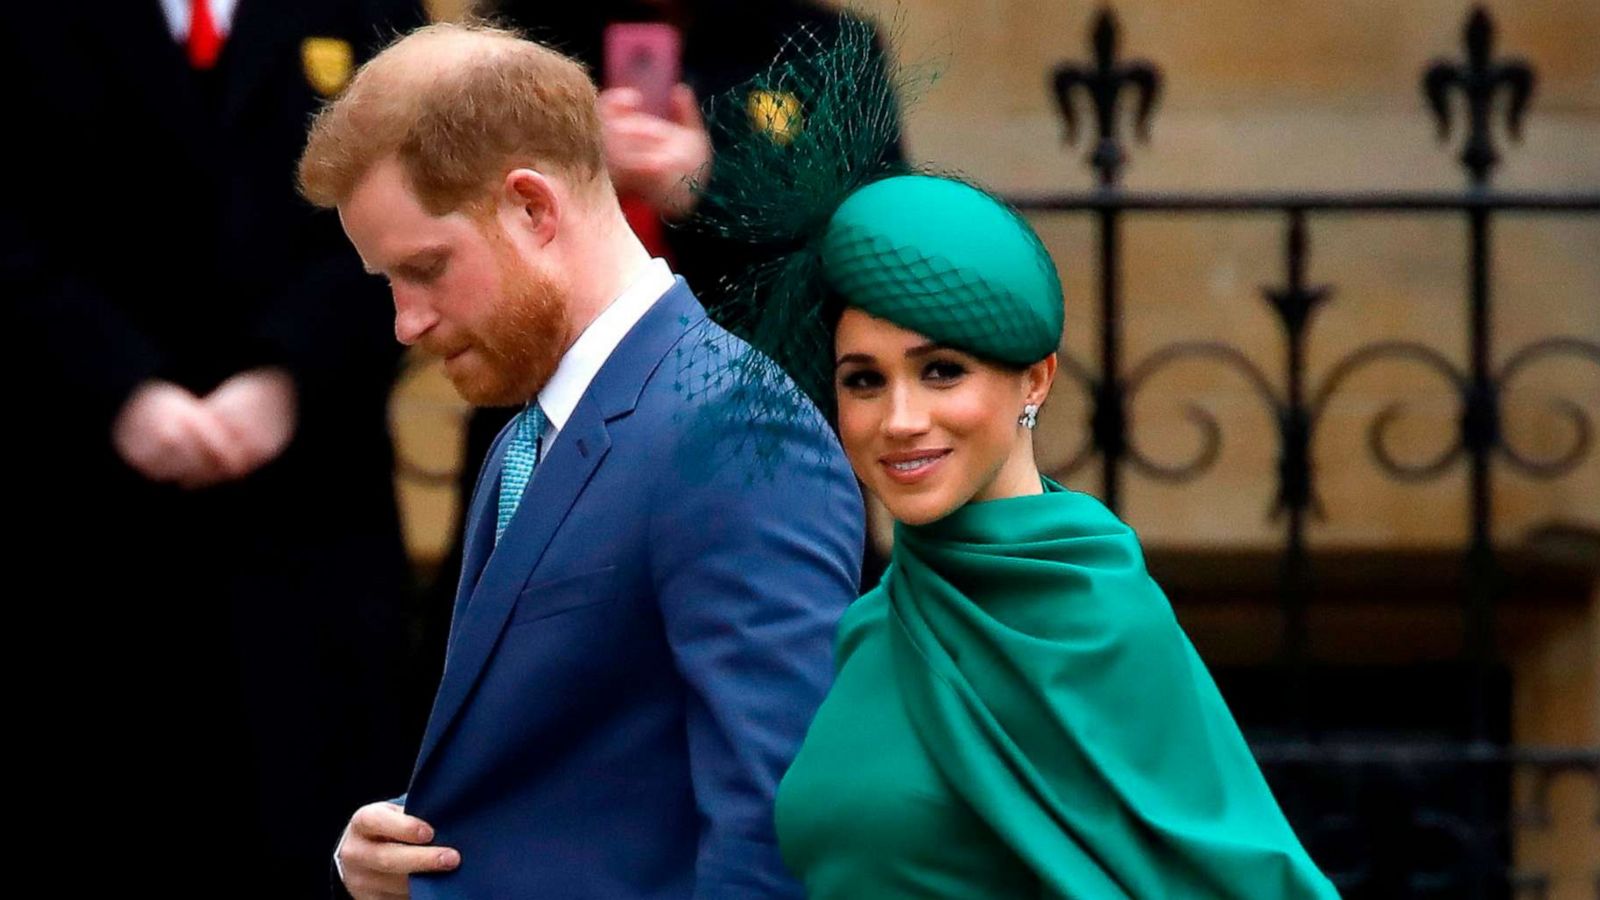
{"x":632,"y":668}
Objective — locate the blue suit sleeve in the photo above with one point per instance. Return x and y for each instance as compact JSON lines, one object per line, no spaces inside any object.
{"x":754,"y":569}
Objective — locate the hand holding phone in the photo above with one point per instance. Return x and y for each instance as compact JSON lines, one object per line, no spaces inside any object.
{"x":647,"y":57}
{"x":656,"y":144}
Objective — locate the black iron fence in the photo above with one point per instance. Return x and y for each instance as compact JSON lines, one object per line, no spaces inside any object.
{"x":1393,"y":814}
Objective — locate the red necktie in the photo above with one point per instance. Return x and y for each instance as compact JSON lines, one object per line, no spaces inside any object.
{"x":205,"y":43}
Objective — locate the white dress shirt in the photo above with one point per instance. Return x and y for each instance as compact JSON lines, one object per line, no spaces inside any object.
{"x":595,"y":345}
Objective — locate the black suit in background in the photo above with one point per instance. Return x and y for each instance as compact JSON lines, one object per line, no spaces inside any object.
{"x":211,"y":689}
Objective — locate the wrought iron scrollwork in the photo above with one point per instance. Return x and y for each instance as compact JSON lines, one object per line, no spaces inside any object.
{"x":1573,"y":412}
{"x":1203,"y":419}
{"x":1410,"y":351}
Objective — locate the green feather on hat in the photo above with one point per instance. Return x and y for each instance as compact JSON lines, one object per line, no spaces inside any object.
{"x":805,"y":177}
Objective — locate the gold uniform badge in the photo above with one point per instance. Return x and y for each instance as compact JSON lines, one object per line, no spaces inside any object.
{"x":777,"y":113}
{"x":328,"y":63}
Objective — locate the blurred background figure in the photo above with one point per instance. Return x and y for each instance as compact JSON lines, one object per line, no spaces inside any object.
{"x":658,"y":63}
{"x":202,"y":458}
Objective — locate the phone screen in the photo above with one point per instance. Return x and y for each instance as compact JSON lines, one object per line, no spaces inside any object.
{"x":645,"y":56}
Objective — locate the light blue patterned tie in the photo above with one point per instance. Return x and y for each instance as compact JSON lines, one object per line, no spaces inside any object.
{"x":522,"y":454}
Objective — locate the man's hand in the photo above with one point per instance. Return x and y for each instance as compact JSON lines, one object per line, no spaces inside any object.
{"x":168,"y":435}
{"x":257,"y":408}
{"x":381,"y":846}
{"x":656,"y":159}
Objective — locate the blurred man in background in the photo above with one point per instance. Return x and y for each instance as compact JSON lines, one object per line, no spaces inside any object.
{"x":201,"y":451}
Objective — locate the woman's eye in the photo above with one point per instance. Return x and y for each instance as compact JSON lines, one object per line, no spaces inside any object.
{"x":943,"y":371}
{"x":861,"y":380}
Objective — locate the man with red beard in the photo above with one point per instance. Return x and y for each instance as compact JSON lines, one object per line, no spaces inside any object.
{"x":643,"y":626}
{"x":725,"y":43}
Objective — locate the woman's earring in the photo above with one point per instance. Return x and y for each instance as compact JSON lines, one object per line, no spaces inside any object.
{"x":1029,"y":417}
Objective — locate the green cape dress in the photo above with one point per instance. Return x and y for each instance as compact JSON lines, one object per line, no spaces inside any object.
{"x":1018,"y":714}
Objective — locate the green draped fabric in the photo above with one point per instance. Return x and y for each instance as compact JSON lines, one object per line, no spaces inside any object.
{"x":1079,"y":744}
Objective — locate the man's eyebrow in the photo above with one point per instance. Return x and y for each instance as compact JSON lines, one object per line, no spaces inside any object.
{"x":415,"y":258}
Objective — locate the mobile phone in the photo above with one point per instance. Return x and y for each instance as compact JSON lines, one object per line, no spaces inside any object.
{"x":645,"y":56}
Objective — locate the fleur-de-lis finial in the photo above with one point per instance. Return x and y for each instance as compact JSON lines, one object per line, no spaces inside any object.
{"x":1479,"y":81}
{"x":1103,"y":84}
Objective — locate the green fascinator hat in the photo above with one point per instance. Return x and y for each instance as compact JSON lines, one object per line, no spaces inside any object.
{"x":948,"y":261}
{"x":810,"y":184}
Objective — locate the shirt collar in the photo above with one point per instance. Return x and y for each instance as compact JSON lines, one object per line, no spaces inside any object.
{"x":594,"y":346}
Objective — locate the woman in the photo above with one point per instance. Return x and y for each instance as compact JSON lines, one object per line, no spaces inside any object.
{"x":1016,"y":712}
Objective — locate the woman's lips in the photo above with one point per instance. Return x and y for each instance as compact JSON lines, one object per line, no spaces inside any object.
{"x":912,"y":466}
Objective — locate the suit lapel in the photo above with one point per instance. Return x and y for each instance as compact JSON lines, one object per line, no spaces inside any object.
{"x":554,"y":489}
{"x":478,"y":541}
{"x":558,"y":480}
